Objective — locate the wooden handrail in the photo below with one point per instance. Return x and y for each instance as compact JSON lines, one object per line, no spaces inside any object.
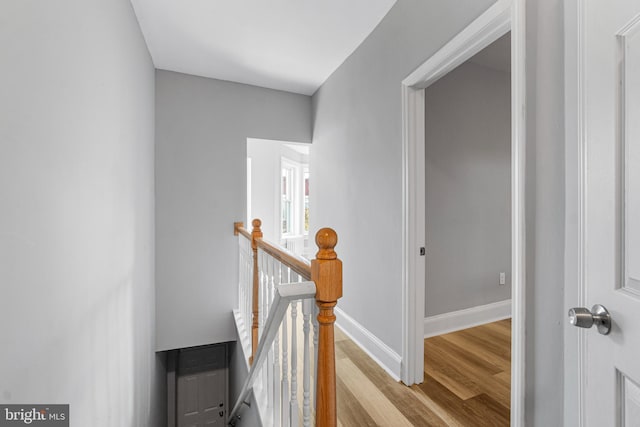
{"x":300,"y":265}
{"x":291,"y":260}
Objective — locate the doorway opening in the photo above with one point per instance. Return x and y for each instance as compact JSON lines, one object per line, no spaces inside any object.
{"x":502,"y":17}
{"x":278,"y":188}
{"x":467,"y":324}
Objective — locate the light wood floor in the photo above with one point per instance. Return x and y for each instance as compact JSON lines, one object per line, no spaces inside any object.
{"x":467,"y":383}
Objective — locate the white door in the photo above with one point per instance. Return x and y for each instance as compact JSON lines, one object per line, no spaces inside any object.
{"x":610,"y":126}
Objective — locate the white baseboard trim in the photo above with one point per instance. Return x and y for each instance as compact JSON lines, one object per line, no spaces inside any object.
{"x":467,"y":318}
{"x":381,"y":353}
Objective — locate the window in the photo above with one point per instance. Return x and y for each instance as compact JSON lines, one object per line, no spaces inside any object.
{"x":294,"y":198}
{"x":287,"y":207}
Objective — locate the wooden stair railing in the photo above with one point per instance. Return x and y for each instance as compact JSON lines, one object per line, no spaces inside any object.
{"x":326,"y":272}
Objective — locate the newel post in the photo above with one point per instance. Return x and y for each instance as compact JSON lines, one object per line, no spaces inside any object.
{"x":326,"y":272}
{"x":256,"y":234}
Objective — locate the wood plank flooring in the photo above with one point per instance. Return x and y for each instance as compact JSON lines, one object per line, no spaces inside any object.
{"x":467,"y":383}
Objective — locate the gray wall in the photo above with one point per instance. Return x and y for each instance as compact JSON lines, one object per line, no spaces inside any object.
{"x":77,"y":221}
{"x":357,"y":155}
{"x":202,"y":126}
{"x":468,"y":189}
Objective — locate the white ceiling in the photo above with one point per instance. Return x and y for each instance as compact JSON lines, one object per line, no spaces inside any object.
{"x":291,"y":45}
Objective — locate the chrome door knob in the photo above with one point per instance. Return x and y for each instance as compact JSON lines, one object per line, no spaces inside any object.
{"x":583,"y":318}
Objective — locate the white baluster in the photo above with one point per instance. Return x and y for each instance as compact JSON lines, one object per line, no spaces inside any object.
{"x":264,"y":311}
{"x":260,"y":290}
{"x":264,"y":285}
{"x":294,"y":414}
{"x":248,"y":290}
{"x":285,"y":378}
{"x":307,"y":309}
{"x":276,"y":358}
{"x":265,"y":289}
{"x":270,"y":356}
{"x":247,"y":285}
{"x":241,"y":273}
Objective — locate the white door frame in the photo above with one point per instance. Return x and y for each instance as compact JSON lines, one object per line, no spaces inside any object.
{"x":501,"y":17}
{"x":574,"y":295}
